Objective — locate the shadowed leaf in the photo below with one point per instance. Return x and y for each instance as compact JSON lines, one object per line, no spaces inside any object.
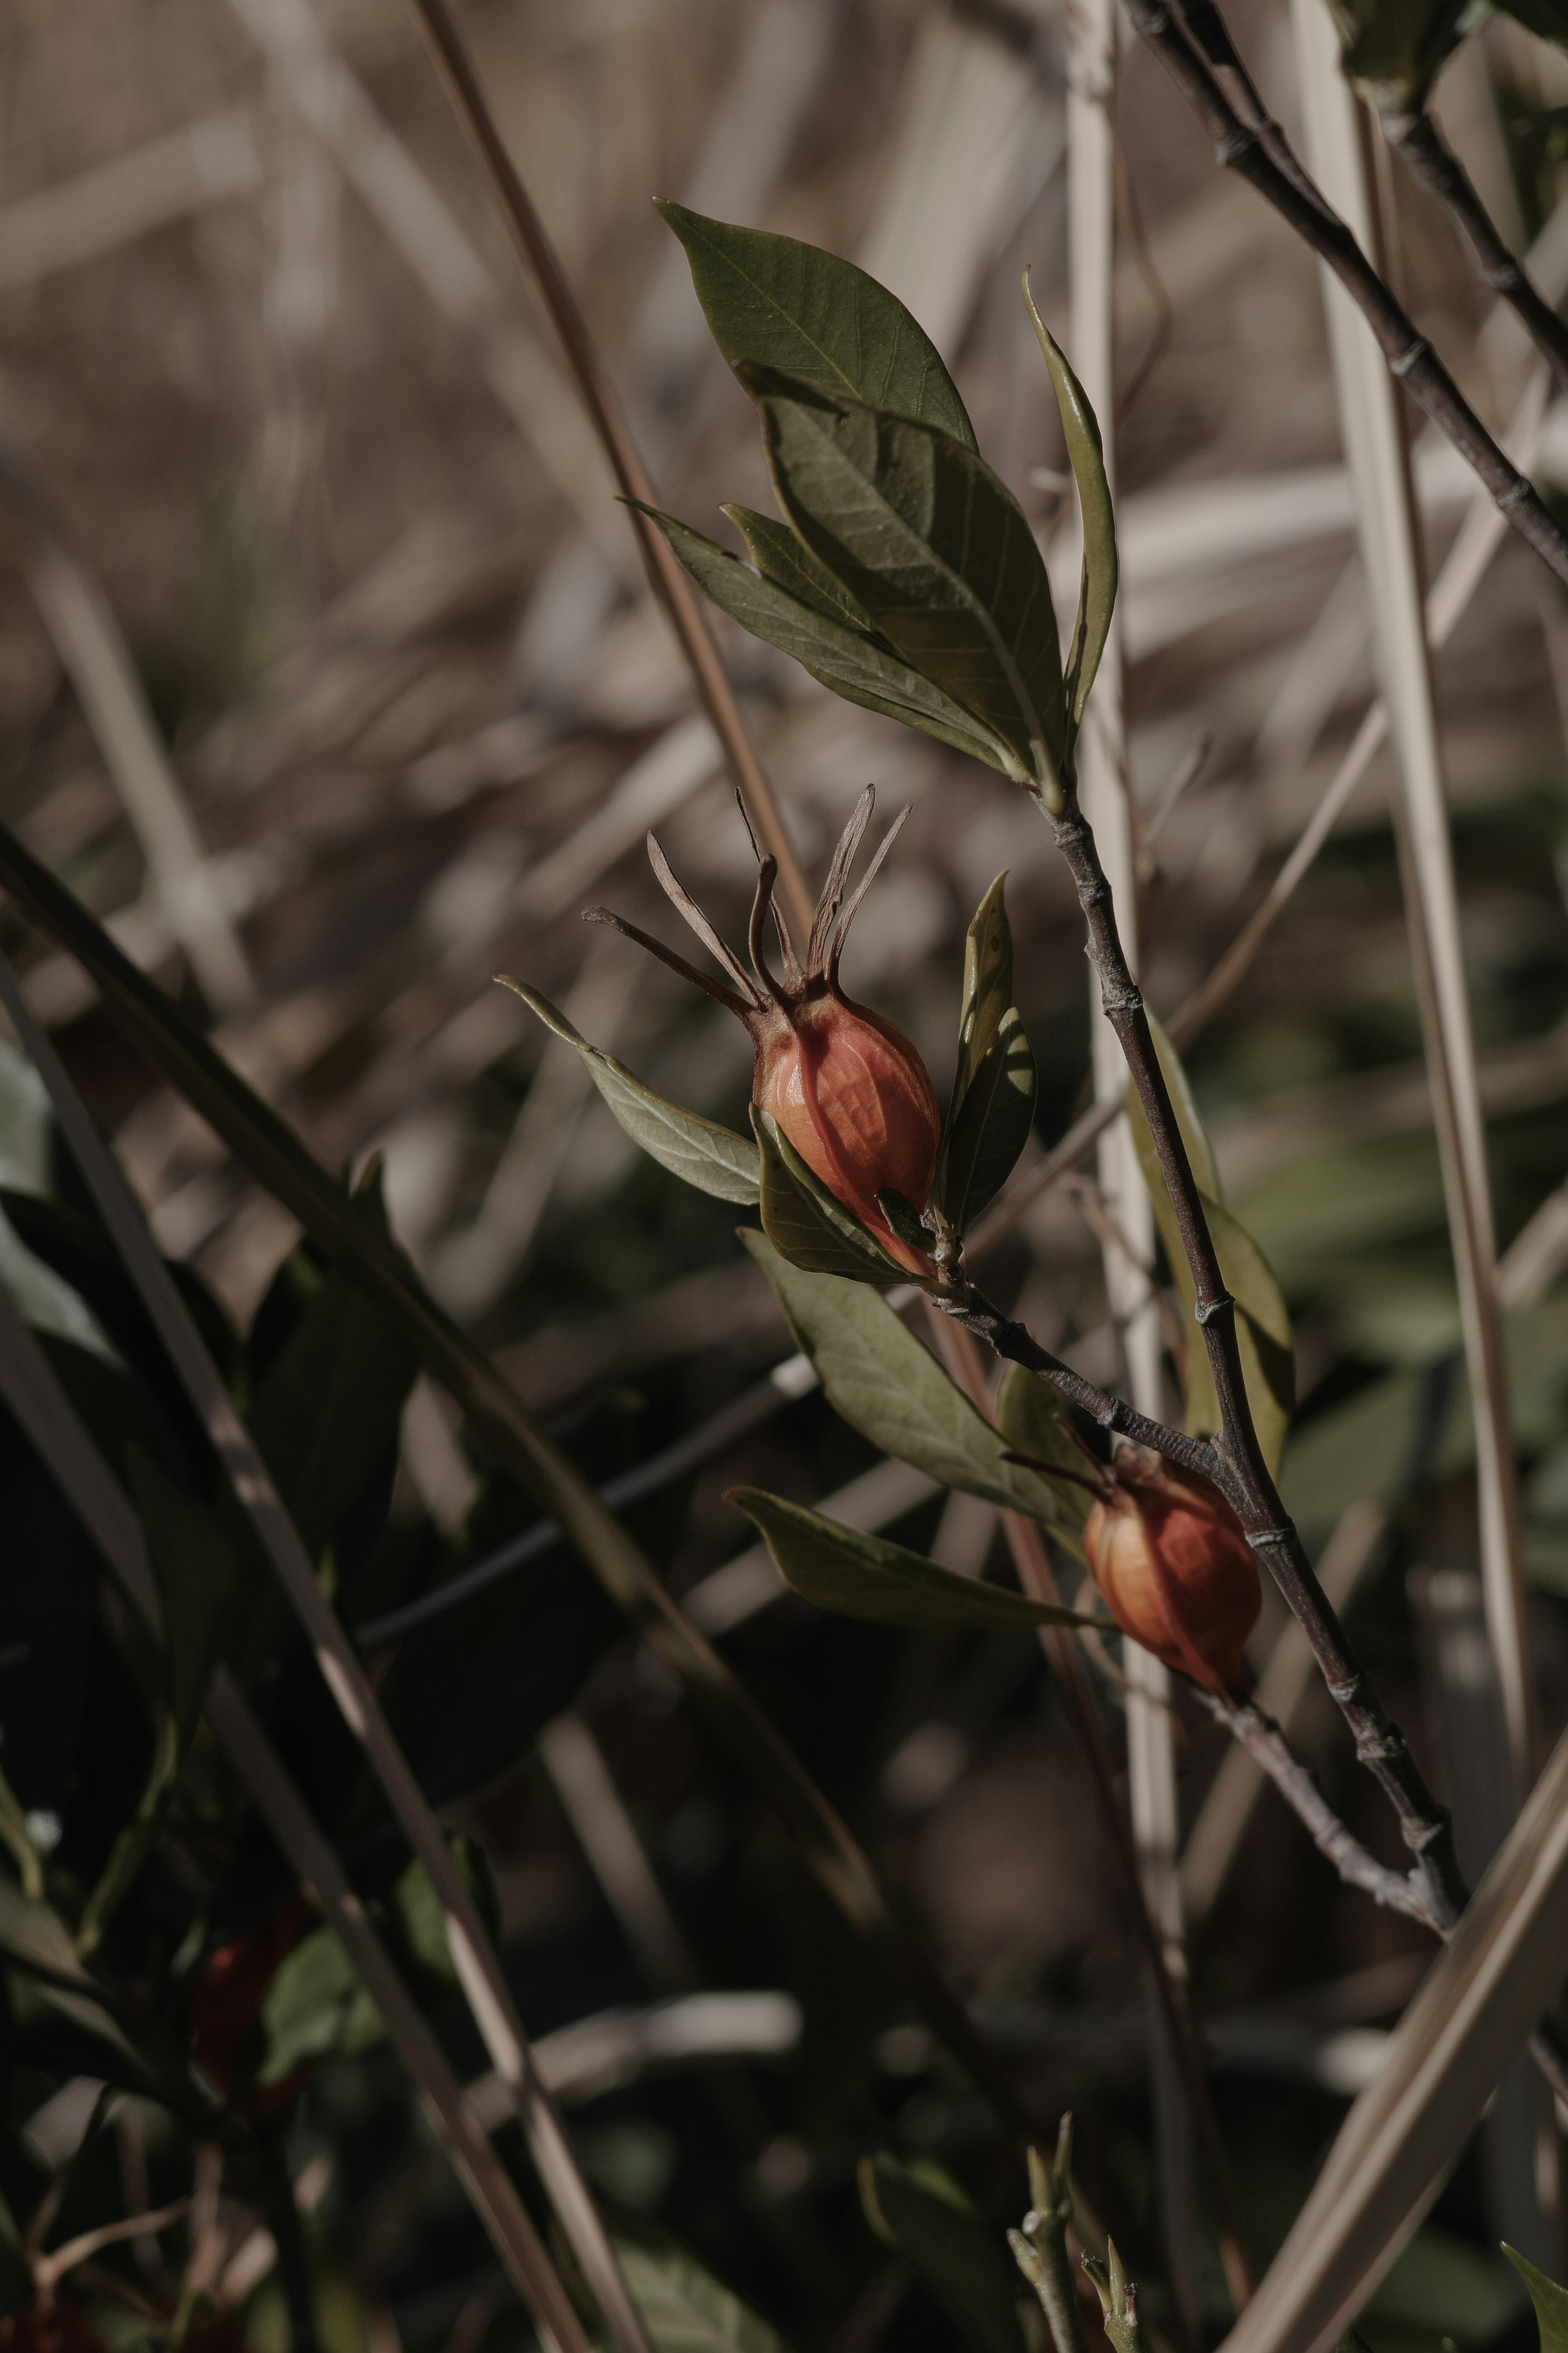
{"x":870,"y":1578}
{"x":994,"y":1084}
{"x":806,"y":1224}
{"x":921,"y":2211}
{"x":1086,"y":455}
{"x":1551,"y":2302}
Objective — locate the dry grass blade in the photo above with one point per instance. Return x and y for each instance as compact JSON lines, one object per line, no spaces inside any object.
{"x":33,"y":1392}
{"x":1375,"y":449}
{"x":473,"y":1958}
{"x":1473,"y":2012}
{"x":94,"y":655}
{"x":669,"y":582}
{"x":277,"y":1159}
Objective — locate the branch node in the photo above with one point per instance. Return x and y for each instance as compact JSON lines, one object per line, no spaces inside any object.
{"x":1419,"y":350}
{"x":1206,"y":1308}
{"x":1274,"y":1535}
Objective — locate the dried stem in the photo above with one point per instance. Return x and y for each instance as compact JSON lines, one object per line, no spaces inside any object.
{"x":669,"y":582}
{"x":1248,"y":141}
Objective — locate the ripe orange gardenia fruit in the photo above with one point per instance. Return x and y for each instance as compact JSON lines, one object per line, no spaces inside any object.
{"x":1174,"y":1564}
{"x":846,"y":1087}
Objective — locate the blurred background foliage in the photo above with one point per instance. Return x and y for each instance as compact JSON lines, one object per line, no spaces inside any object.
{"x":317,"y":448}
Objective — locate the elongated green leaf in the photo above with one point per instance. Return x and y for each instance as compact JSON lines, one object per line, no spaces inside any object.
{"x":196,"y":1572}
{"x":327,"y":1409}
{"x":34,"y":1934}
{"x":870,"y":1578}
{"x":923,"y":2212}
{"x":804,"y":1222}
{"x":1086,"y":455}
{"x":781,"y":555}
{"x":892,"y":1390}
{"x":935,"y":548}
{"x":853,"y":663}
{"x":1029,"y":1417}
{"x":1551,"y":2302}
{"x":1262,"y":1318}
{"x":994,"y":1084}
{"x":714,"y":1158}
{"x":133,"y":1844}
{"x":684,"y":2306}
{"x":276,"y":1157}
{"x":792,"y":306}
{"x":1393,"y":53}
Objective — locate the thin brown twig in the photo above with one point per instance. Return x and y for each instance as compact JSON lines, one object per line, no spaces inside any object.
{"x":669,"y":582}
{"x":1209,"y":73}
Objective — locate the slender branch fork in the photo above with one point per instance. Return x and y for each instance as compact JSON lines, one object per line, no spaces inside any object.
{"x":1434,"y":1888}
{"x":1197,"y":50}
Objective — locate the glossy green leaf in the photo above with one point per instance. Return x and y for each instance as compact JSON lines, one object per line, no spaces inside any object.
{"x":1550,"y":2301}
{"x":788,"y":305}
{"x":684,"y":2308}
{"x":714,"y":1158}
{"x":921,"y":2211}
{"x":806,"y":1224}
{"x":893,"y":1391}
{"x":1086,"y":455}
{"x":853,"y":663}
{"x":934,"y":549}
{"x":993,"y":1106}
{"x":870,"y":1578}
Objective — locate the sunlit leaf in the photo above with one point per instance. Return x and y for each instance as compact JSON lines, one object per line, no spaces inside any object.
{"x":868,"y":1577}
{"x":992,"y":1104}
{"x":893,"y":1391}
{"x":1086,"y":455}
{"x":934,"y":549}
{"x":714,"y":1158}
{"x":921,"y":2211}
{"x":788,"y":305}
{"x":850,"y":662}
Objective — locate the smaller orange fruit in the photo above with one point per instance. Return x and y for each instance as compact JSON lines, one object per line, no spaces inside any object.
{"x":1174,"y":1564}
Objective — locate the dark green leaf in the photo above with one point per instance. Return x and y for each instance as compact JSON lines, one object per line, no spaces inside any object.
{"x":935,"y":550}
{"x":788,"y":305}
{"x":856,"y":1576}
{"x":714,"y":1158}
{"x":1086,"y":455}
{"x":314,"y":2004}
{"x":893,"y":1391}
{"x":38,"y":1938}
{"x":1029,"y":1416}
{"x":133,"y":1844}
{"x":196,"y":1572}
{"x":1394,"y":49}
{"x":329,"y":1406}
{"x":781,"y":555}
{"x":994,"y":1084}
{"x":904,"y":1217}
{"x":1551,"y":2302}
{"x":921,"y":2211}
{"x":854,"y":664}
{"x":806,"y":1224}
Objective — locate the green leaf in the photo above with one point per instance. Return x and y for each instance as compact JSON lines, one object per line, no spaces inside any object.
{"x":904,"y":1217}
{"x":1262,"y":1319}
{"x":892,"y":1390}
{"x":935,"y":550}
{"x":782,"y":556}
{"x":1086,"y":455}
{"x":856,"y":1576}
{"x":327,"y":1408}
{"x":850,"y":661}
{"x":1029,"y":1416}
{"x":1550,"y":2301}
{"x":919,"y":2210}
{"x":132,"y":1845}
{"x":994,"y":1084}
{"x":714,"y":1158}
{"x":196,"y":1572}
{"x":806,"y":1224}
{"x":1393,"y":51}
{"x":23,"y":1853}
{"x":38,"y":1940}
{"x":685,"y":2308}
{"x":1200,"y":1151}
{"x":314,"y":2004}
{"x":792,"y":306}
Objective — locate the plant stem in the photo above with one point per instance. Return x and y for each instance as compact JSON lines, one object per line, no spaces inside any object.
{"x":669,"y":582}
{"x":1041,"y":2246}
{"x":1432,"y":163}
{"x":1249,"y":142}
